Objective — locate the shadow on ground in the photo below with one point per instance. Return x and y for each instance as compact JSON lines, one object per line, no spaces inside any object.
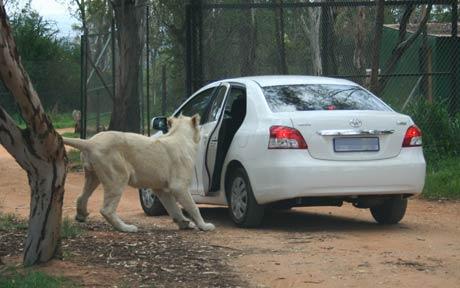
{"x":300,"y":221}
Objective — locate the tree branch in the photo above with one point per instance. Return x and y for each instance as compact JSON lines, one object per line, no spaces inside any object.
{"x":404,"y":21}
{"x":402,"y":46}
{"x":378,"y":28}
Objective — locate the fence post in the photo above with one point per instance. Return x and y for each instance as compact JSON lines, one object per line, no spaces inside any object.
{"x":188,"y":50}
{"x":164,"y":91}
{"x":455,"y":61}
{"x":112,"y":35}
{"x":83,"y":95}
{"x":147,"y":60}
{"x":98,"y":111}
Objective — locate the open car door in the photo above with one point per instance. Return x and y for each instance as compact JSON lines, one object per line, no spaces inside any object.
{"x":209,"y":139}
{"x":220,"y":139}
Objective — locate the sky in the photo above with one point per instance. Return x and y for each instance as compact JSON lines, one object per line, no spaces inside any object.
{"x":58,"y":12}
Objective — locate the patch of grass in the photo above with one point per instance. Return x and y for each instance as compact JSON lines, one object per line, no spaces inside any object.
{"x":62,"y":120}
{"x":70,"y":135}
{"x":443,"y":179}
{"x":11,"y":222}
{"x":74,"y":160}
{"x":31,"y":279}
{"x":70,"y":229}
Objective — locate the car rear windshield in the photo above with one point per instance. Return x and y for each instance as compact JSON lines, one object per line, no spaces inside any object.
{"x":290,"y":98}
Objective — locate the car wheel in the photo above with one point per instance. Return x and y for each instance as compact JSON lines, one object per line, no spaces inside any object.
{"x":150,"y":203}
{"x":243,"y":208}
{"x":391,"y":211}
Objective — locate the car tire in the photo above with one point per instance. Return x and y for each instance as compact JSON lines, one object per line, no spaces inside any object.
{"x":150,"y":203}
{"x":243,"y":207}
{"x":391,"y":211}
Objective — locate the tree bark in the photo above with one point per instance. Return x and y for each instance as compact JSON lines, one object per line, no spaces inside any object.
{"x":248,"y":40}
{"x":327,"y":20}
{"x":129,"y":18}
{"x":379,"y":18}
{"x":38,"y":149}
{"x":311,"y":28}
{"x":358,"y":55}
{"x":279,"y":23}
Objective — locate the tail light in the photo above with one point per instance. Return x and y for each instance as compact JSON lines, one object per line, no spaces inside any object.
{"x":413,"y":137}
{"x":282,"y":137}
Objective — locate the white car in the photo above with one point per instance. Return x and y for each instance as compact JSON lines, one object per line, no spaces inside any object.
{"x":285,"y":141}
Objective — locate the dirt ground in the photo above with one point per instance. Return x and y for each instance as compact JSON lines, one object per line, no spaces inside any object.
{"x":304,"y":247}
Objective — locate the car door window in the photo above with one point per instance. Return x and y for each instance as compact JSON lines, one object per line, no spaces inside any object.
{"x":198,"y":104}
{"x":216,"y":105}
{"x":235,"y":94}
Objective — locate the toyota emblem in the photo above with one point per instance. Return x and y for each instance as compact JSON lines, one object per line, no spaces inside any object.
{"x":355,"y":123}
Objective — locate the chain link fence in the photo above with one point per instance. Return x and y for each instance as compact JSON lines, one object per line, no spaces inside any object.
{"x":56,"y":83}
{"x":418,"y":55}
{"x":97,"y":81}
{"x":190,"y":43}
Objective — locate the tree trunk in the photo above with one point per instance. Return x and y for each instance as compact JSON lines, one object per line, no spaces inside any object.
{"x":129,"y":16}
{"x":248,"y":40}
{"x":379,"y":18}
{"x":358,"y":55}
{"x":38,"y":149}
{"x":311,"y":29}
{"x":327,"y":20}
{"x":279,"y":23}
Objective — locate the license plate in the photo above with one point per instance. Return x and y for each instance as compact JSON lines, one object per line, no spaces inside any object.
{"x":356,"y":144}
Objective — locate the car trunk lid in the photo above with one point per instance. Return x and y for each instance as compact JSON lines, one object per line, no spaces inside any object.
{"x":351,"y":135}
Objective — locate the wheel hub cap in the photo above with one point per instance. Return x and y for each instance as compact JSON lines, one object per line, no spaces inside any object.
{"x":239,"y":198}
{"x":148,"y":197}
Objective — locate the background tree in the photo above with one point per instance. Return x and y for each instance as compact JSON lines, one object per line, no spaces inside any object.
{"x":404,"y":41}
{"x":378,"y":29}
{"x":310,"y":24}
{"x":327,"y":21}
{"x":129,"y":19}
{"x":248,"y":40}
{"x":280,"y":37}
{"x":53,"y":62}
{"x":38,"y":149}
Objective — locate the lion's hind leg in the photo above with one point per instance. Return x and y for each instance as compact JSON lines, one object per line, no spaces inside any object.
{"x":91,"y":183}
{"x":186,"y":200}
{"x":174,"y":211}
{"x":112,"y":196}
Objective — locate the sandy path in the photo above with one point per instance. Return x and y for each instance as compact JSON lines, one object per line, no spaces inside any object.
{"x":14,"y":191}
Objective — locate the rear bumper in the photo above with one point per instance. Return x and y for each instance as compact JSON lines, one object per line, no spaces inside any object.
{"x":287,"y":174}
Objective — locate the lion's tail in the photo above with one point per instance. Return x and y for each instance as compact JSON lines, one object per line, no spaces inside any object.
{"x":80,"y":144}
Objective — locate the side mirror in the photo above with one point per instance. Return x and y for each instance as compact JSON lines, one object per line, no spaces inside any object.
{"x":160,"y":123}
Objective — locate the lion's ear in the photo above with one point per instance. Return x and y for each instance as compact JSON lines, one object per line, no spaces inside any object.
{"x":196,"y":120}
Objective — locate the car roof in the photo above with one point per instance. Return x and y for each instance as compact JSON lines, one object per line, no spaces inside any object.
{"x":276,"y":80}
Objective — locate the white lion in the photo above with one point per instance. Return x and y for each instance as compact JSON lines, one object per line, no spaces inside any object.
{"x":164,"y":164}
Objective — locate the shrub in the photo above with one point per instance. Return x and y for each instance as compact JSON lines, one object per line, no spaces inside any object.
{"x":441,"y":131}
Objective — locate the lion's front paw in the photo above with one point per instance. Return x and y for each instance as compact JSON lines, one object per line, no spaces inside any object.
{"x":207,"y":227}
{"x":186,"y":225}
{"x":129,"y":229}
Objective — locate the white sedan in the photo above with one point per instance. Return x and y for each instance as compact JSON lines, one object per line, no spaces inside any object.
{"x":285,"y":141}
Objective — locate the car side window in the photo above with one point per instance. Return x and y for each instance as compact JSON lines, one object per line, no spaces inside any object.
{"x":198,"y":104}
{"x":216,"y":105}
{"x":235,"y":93}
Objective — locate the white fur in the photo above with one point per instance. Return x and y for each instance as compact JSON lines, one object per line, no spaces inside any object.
{"x":166,"y":165}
